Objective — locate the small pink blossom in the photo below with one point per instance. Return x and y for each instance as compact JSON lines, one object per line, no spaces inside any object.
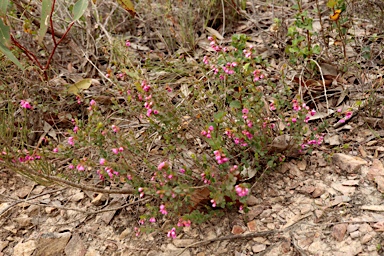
{"x":172,"y":233}
{"x":162,"y":165}
{"x":115,"y":151}
{"x":70,"y":141}
{"x":25,"y":104}
{"x":152,"y":220}
{"x":115,"y":129}
{"x":182,"y":171}
{"x":127,"y":43}
{"x":163,"y":210}
{"x":102,"y":161}
{"x":80,"y":167}
{"x":71,"y":166}
{"x":75,"y":129}
{"x":55,"y":150}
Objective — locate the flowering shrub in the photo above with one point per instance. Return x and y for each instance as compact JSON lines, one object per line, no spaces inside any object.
{"x":240,"y":139}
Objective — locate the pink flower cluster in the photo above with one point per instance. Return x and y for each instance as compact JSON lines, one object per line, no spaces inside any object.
{"x":148,"y":103}
{"x":205,"y":180}
{"x":25,"y":104}
{"x":172,"y":233}
{"x":92,"y":105}
{"x":317,"y":141}
{"x":227,"y":68}
{"x":184,"y":223}
{"x":109,"y":171}
{"x":220,"y":157}
{"x":297,"y":107}
{"x":28,"y":158}
{"x":115,"y":128}
{"x":117,"y":150}
{"x":241,"y":191}
{"x":257,"y":75}
{"x":213,"y":202}
{"x":347,"y":116}
{"x":163,"y":210}
{"x":213,"y":44}
{"x":207,"y":133}
{"x":248,"y":52}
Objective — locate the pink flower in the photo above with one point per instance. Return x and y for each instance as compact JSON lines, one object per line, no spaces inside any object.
{"x":294,"y":120}
{"x":127,"y":43}
{"x":102,"y":161}
{"x":152,"y":220}
{"x":241,"y":191}
{"x":115,"y":128}
{"x":115,"y":151}
{"x":182,"y":171}
{"x":80,"y":167}
{"x":55,"y":150}
{"x":121,"y":149}
{"x":71,"y":166}
{"x":213,"y":203}
{"x":162,"y":165}
{"x":245,"y":111}
{"x":172,"y":233}
{"x":70,"y":141}
{"x":25,"y":104}
{"x":163,"y":210}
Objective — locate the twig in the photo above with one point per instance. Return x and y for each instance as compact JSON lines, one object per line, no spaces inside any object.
{"x":18,"y":201}
{"x":73,"y":209}
{"x":231,"y":237}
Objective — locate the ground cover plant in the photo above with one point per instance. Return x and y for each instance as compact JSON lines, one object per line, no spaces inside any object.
{"x":188,"y":131}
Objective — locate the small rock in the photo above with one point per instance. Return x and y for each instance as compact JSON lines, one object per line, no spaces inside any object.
{"x":318,"y":246}
{"x":355,"y":234}
{"x":319,"y":213}
{"x":24,"y":191}
{"x":252,"y":200}
{"x":259,"y":248}
{"x":347,"y":163}
{"x":302,"y":165}
{"x":254,"y":211}
{"x":338,"y":231}
{"x":75,"y":246}
{"x":305,"y":208}
{"x":365,"y":228}
{"x":51,"y":244}
{"x":350,"y":183}
{"x":266,"y":213}
{"x":252,"y":226}
{"x":183,"y":242}
{"x":77,"y":197}
{"x":25,"y":249}
{"x":92,"y":252}
{"x":271,"y":226}
{"x":125,"y":233}
{"x":376,"y":169}
{"x":237,"y":230}
{"x":3,"y":244}
{"x":351,"y":249}
{"x":49,"y":209}
{"x":352,"y":227}
{"x":345,"y":190}
{"x":366,"y":238}
{"x":319,"y":190}
{"x":99,"y":199}
{"x":201,"y":254}
{"x":23,"y":221}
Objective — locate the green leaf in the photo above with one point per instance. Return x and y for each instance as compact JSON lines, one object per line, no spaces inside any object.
{"x":80,"y":85}
{"x":46,"y":7}
{"x":5,"y":37}
{"x":219,"y":116}
{"x":79,"y":9}
{"x":235,"y":104}
{"x":10,"y":56}
{"x":331,"y":3}
{"x":3,"y":7}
